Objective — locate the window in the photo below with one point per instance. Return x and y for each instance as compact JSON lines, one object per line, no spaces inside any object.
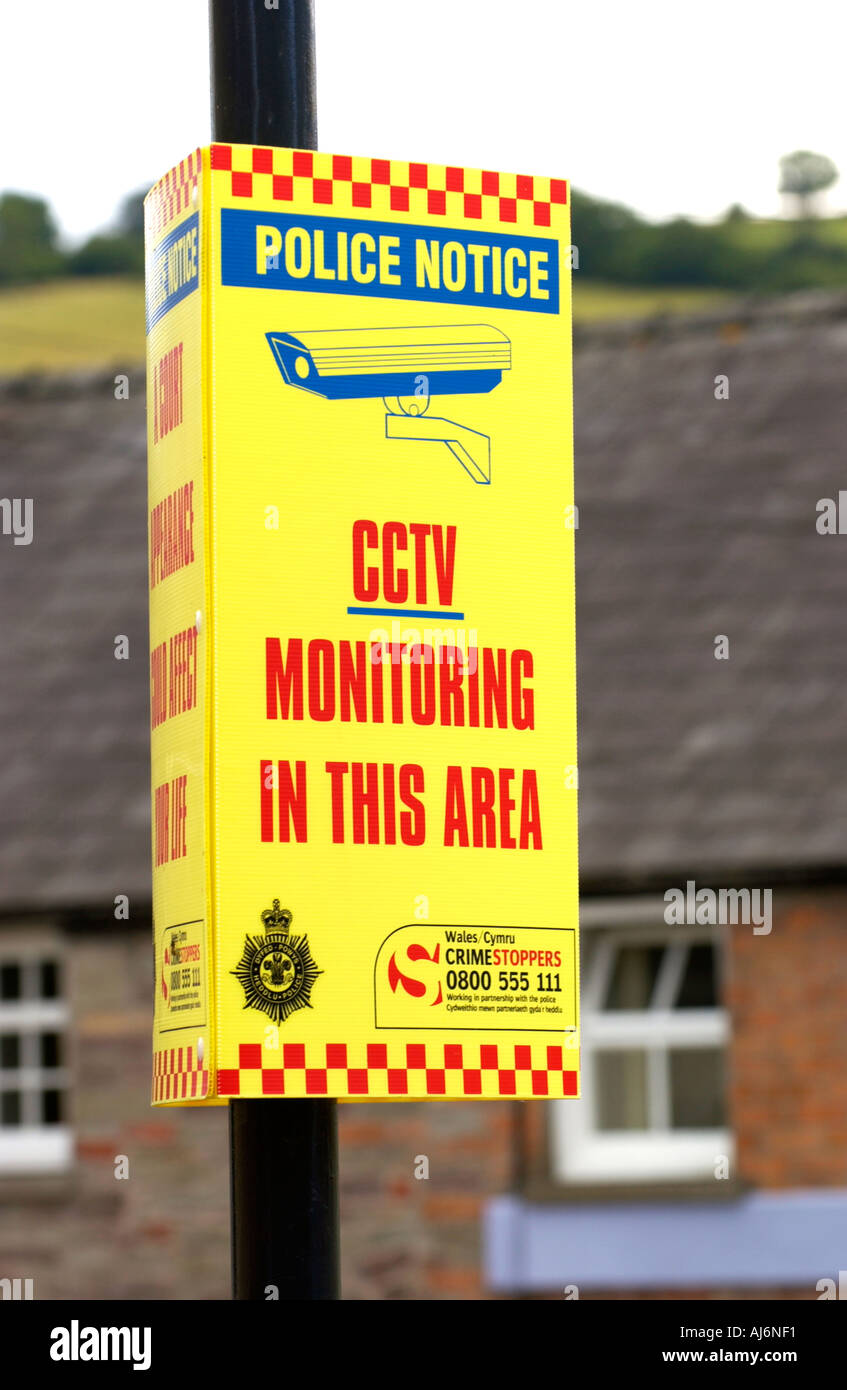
{"x":654,"y":1036}
{"x":34,"y":1132}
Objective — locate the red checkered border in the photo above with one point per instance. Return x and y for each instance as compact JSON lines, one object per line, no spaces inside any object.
{"x":178,"y":1076}
{"x":447,"y":1068}
{"x":412,"y":187}
{"x":171,"y":196}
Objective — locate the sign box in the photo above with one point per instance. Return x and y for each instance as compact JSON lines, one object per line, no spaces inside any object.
{"x":362,"y":666}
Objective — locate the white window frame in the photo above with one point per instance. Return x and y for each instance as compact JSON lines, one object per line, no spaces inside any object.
{"x":34,"y":1148}
{"x":582,"y":1153}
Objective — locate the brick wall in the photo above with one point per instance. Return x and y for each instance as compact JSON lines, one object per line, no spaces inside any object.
{"x":787,"y":994}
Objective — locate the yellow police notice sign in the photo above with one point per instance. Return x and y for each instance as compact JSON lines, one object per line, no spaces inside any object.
{"x":362,"y":630}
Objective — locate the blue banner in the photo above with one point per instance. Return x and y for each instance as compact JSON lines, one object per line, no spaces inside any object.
{"x":444,"y":265}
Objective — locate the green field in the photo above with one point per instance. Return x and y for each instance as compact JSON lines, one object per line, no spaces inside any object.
{"x":593,"y":300}
{"x":100,"y":322}
{"x":64,"y":324}
{"x":770,"y":234}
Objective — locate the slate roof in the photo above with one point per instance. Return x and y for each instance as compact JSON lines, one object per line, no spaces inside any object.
{"x":74,"y":741}
{"x":697,"y":518}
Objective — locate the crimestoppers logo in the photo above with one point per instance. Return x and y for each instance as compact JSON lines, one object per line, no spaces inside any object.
{"x":277,"y":971}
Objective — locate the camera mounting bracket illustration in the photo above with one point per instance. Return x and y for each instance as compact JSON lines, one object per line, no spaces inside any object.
{"x":404,"y":367}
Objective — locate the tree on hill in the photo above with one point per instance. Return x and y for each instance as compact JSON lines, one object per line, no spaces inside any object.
{"x":130,"y":219}
{"x":27,"y":239}
{"x":602,"y":231}
{"x":107,"y":254}
{"x":803,"y":174}
{"x":118,"y":252}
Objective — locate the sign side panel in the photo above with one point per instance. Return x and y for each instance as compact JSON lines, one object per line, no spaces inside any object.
{"x":183,"y":1020}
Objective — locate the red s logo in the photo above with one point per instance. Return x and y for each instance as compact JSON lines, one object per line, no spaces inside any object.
{"x":419,"y":980}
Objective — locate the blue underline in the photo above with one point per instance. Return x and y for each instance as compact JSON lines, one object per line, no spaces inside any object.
{"x":405,"y":613}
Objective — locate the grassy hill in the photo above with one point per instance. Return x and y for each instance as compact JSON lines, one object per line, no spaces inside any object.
{"x":592,"y":299}
{"x":774,"y":233}
{"x":59,"y":325}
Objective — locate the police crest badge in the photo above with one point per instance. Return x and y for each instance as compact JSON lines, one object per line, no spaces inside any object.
{"x":277,"y":971}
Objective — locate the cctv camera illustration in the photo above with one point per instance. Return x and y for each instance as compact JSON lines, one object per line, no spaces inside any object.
{"x":404,"y":367}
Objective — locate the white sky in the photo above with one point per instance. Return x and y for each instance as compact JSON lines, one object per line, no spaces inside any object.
{"x":671,"y":106}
